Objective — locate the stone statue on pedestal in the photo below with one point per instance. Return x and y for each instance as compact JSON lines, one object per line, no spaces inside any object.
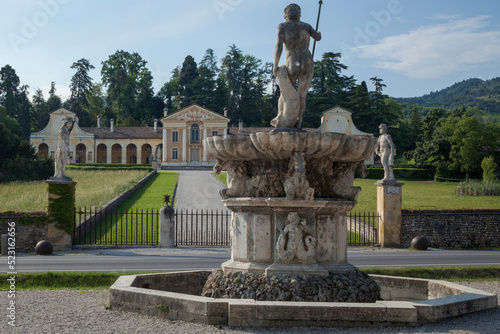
{"x":386,"y":150}
{"x":299,"y":66}
{"x":62,"y":151}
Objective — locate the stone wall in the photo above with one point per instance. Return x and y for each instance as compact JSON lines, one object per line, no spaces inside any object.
{"x":453,"y":229}
{"x":30,"y":229}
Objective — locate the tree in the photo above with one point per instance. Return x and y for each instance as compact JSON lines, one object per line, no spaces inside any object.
{"x":205,"y":83}
{"x":96,"y":104}
{"x":187,"y":79}
{"x":328,"y":88}
{"x":9,"y":90}
{"x":360,"y":106}
{"x":129,"y":86}
{"x":81,"y":83}
{"x":232,"y":65}
{"x":39,"y":111}
{"x":489,"y":167}
{"x":456,"y":142}
{"x":470,"y":142}
{"x":54,"y":102}
{"x":15,"y":98}
{"x":18,"y":160}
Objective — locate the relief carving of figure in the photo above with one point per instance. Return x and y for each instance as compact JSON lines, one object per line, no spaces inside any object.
{"x":62,"y":151}
{"x":295,"y":35}
{"x":386,"y":150}
{"x":294,"y":181}
{"x":296,"y":241}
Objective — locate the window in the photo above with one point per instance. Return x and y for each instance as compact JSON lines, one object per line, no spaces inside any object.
{"x":175,"y":136}
{"x":195,"y":132}
{"x":214,"y":133}
{"x":175,"y":154}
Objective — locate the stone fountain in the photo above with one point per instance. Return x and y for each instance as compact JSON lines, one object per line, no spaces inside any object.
{"x":289,"y":192}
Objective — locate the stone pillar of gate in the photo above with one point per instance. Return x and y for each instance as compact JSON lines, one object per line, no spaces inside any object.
{"x":167,"y":227}
{"x":389,"y":209}
{"x":61,"y":213}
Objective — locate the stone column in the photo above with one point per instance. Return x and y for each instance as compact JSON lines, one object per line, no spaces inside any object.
{"x":167,"y":224}
{"x":389,"y":206}
{"x":61,"y":213}
{"x":184,"y":145}
{"x":109,"y":154}
{"x":124,"y":154}
{"x":205,"y":135}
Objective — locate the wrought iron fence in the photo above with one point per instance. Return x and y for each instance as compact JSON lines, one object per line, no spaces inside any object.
{"x":202,"y":228}
{"x":362,"y":229}
{"x":117,"y":227}
{"x":192,"y":227}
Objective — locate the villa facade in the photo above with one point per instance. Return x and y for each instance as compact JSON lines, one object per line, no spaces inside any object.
{"x":178,"y":142}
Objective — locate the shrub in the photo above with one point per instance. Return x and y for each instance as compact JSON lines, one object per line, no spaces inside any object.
{"x":489,"y":167}
{"x":414,"y":174}
{"x":478,"y":188}
{"x":109,"y":167}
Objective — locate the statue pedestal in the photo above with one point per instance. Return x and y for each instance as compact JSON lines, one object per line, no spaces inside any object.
{"x":389,"y":204}
{"x":261,"y":243}
{"x":60,"y":210}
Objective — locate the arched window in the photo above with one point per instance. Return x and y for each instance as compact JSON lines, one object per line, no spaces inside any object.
{"x":195,"y":132}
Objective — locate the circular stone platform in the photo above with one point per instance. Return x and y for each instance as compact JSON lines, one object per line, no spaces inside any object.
{"x":353,"y":287}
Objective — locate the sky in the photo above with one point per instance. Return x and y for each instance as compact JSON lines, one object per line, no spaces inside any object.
{"x":415,"y":46}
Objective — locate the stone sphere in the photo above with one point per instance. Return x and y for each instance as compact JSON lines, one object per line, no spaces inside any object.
{"x":420,"y":243}
{"x":44,"y":248}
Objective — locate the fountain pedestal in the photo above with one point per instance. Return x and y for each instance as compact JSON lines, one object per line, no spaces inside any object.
{"x":262,"y":243}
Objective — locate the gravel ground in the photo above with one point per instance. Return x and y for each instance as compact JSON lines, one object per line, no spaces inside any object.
{"x":73,"y":311}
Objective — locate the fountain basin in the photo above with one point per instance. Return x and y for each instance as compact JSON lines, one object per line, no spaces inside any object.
{"x":407,"y":302}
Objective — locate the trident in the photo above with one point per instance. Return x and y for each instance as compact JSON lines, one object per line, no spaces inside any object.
{"x":317,"y":26}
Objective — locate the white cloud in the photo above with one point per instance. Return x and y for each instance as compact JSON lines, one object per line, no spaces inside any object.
{"x":437,"y":50}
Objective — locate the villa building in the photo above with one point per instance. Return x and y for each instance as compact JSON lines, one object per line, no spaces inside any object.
{"x":177,"y":143}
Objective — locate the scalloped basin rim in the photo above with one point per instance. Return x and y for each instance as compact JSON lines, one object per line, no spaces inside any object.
{"x":281,"y":145}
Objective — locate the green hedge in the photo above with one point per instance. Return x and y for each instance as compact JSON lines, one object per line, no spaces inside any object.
{"x":109,"y":167}
{"x":411,"y":174}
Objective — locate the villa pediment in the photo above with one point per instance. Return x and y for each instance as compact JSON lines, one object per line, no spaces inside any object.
{"x":195,"y":113}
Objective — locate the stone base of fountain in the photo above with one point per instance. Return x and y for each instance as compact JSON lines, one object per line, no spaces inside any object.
{"x":352,"y":287}
{"x":406,"y":302}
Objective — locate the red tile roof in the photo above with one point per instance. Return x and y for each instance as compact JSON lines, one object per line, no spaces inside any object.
{"x":126,"y":132}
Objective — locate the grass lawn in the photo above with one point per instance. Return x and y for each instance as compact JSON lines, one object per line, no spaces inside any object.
{"x":425,"y":195}
{"x":94,"y":189}
{"x":418,"y":195}
{"x":128,"y":226}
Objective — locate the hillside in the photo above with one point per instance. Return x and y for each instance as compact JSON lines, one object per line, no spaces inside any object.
{"x":484,"y":95}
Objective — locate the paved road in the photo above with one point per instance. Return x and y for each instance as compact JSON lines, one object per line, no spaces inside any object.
{"x":210,"y":258}
{"x":198,"y":190}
